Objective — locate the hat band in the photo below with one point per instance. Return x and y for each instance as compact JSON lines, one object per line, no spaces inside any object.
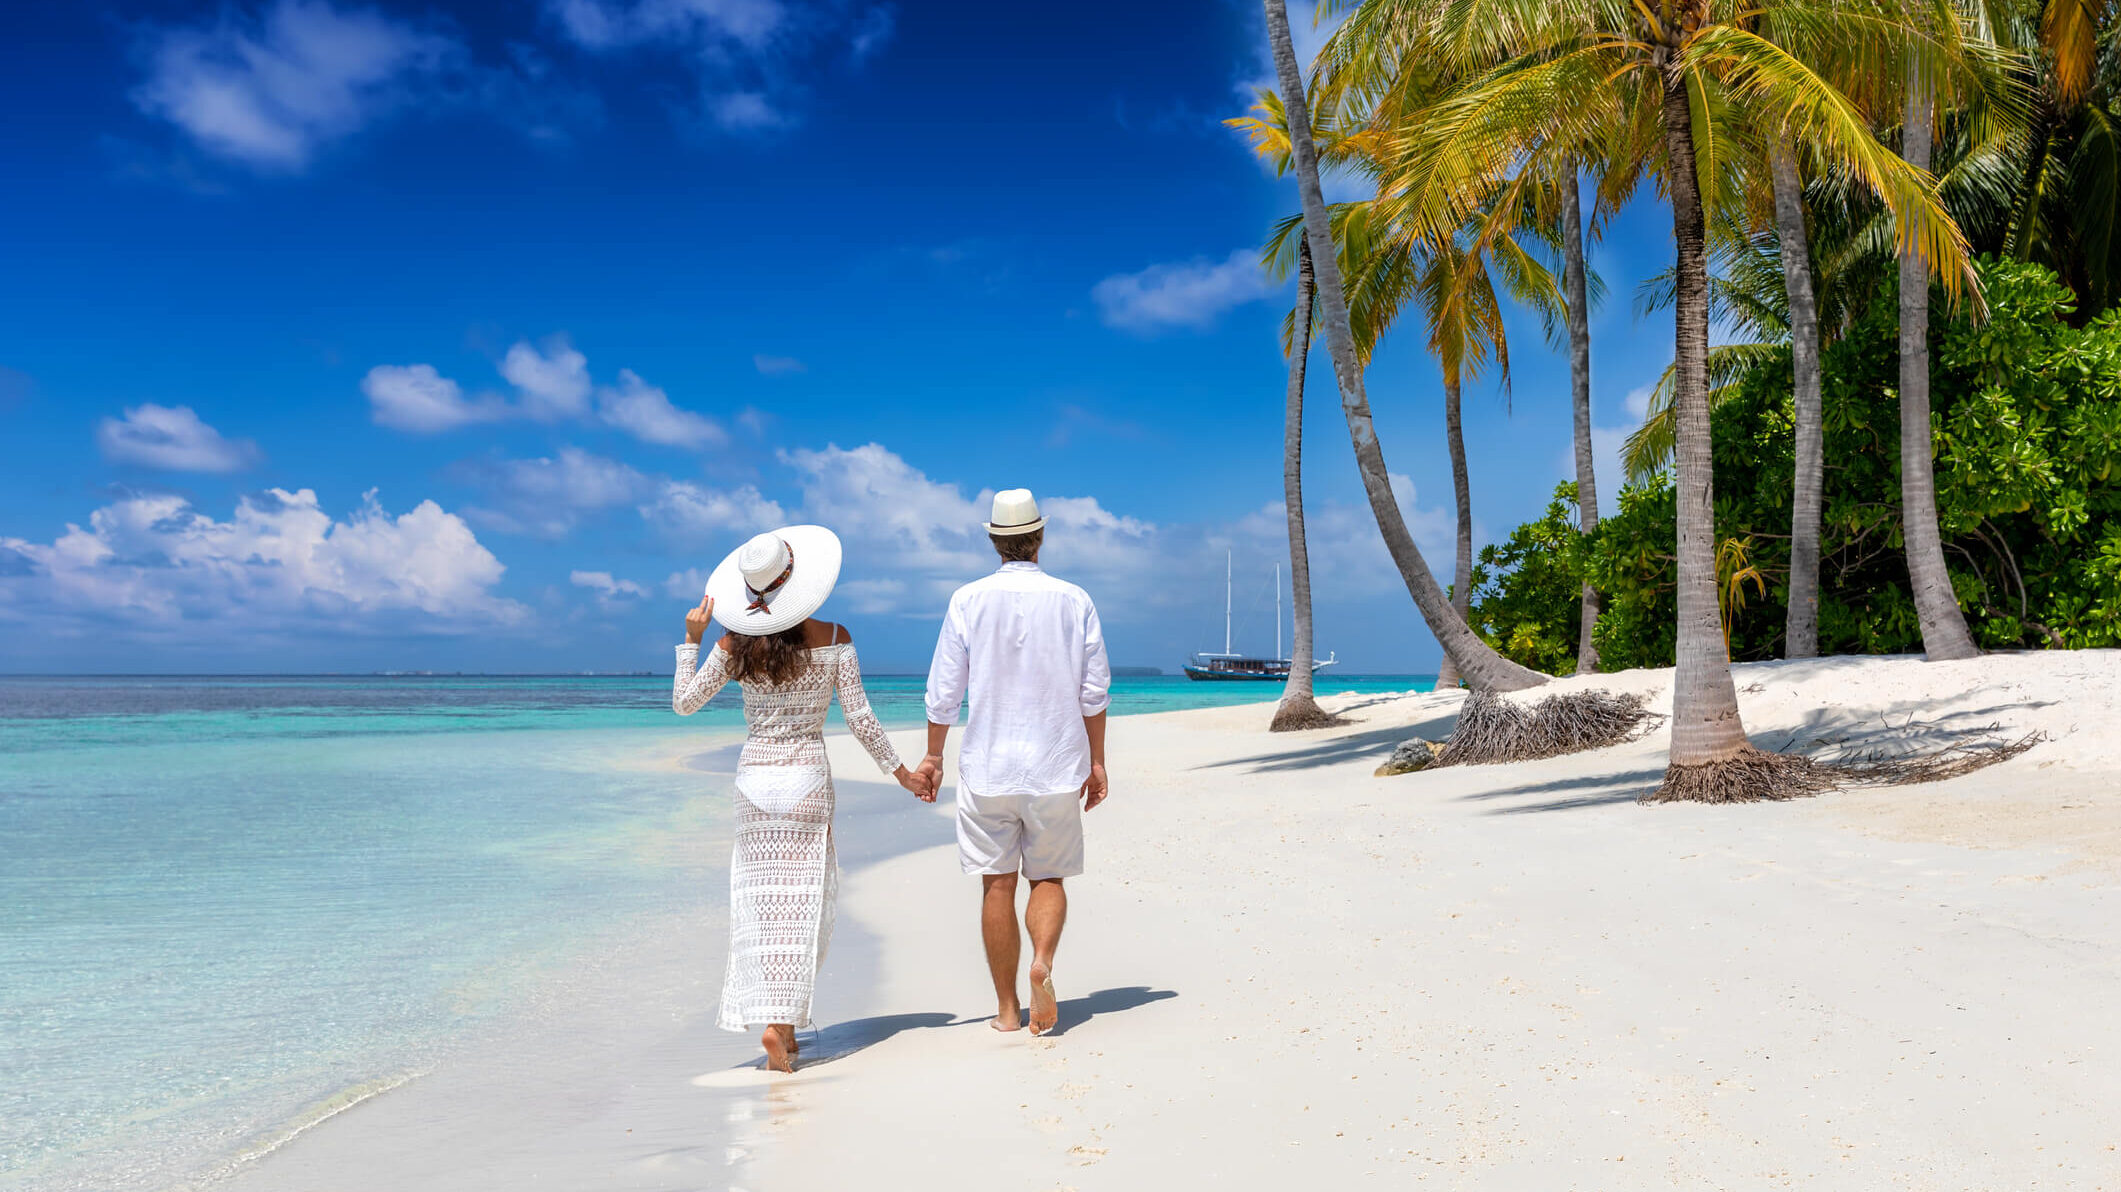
{"x":760,"y":596}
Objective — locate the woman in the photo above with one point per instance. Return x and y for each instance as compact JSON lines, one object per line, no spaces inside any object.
{"x":782,"y":872}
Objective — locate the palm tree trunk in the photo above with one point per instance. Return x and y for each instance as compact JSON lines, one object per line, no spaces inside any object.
{"x":1299,"y":707}
{"x":1572,"y":280}
{"x":1482,"y":666}
{"x":1944,"y":634}
{"x":1705,"y":725}
{"x":1462,"y":491}
{"x":1801,"y":630}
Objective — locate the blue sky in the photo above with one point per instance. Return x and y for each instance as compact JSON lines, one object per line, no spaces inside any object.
{"x":446,"y":336}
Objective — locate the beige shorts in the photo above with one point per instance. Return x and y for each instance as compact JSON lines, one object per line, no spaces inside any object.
{"x":1040,"y":836}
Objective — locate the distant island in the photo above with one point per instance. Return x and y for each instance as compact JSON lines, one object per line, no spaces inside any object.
{"x":1136,"y":672}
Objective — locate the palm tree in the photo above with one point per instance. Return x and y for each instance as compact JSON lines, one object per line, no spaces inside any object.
{"x":1579,"y":320}
{"x":2069,"y":199}
{"x":1944,"y":633}
{"x":1793,"y":245}
{"x":1547,"y":76}
{"x":1480,"y":664}
{"x":1299,"y":706}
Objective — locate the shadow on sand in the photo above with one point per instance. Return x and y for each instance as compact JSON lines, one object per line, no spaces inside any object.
{"x":842,"y":1039}
{"x":1075,"y":1011}
{"x":1373,"y":743}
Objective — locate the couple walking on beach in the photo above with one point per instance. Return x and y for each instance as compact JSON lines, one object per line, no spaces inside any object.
{"x":1027,"y":650}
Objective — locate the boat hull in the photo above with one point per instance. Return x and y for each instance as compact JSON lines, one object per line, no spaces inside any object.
{"x":1204,"y":675}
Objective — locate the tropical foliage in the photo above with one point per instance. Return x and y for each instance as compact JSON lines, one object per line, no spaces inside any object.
{"x":2028,"y":433}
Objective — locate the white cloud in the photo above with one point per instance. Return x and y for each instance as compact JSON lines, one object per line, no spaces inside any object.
{"x":645,"y":412}
{"x":748,"y":57}
{"x":774,"y":366}
{"x":171,"y":438}
{"x":744,"y":111}
{"x":688,"y":584}
{"x":270,"y":93}
{"x":156,"y":563}
{"x":870,"y":494}
{"x":1637,"y":402}
{"x":415,"y":397}
{"x":606,"y":588}
{"x":553,"y":384}
{"x":1192,"y":294}
{"x":548,"y":495}
{"x":688,"y":512}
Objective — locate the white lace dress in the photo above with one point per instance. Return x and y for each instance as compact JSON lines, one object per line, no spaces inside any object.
{"x":783,"y":875}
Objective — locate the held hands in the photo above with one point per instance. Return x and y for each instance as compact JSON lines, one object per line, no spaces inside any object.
{"x":1095,"y":790}
{"x":931,"y":771}
{"x":921,"y":782}
{"x":696,"y":620}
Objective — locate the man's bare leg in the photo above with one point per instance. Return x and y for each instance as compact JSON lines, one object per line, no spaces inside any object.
{"x":997,"y":923}
{"x":1045,"y":916}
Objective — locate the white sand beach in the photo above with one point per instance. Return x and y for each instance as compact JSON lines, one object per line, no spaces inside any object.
{"x":1283,"y":971}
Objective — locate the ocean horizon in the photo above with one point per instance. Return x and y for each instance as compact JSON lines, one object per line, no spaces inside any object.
{"x":239,"y":904}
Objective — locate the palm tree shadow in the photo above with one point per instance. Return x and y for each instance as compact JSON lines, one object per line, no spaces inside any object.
{"x":1075,"y":1011}
{"x":1346,"y":747}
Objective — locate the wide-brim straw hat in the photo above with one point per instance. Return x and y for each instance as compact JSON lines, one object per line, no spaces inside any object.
{"x":776,"y":580}
{"x":1015,"y":512}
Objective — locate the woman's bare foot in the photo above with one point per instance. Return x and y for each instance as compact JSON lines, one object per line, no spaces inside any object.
{"x":779,"y":1052}
{"x":1045,"y":1007}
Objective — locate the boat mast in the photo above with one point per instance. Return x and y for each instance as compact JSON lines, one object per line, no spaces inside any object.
{"x":1227,"y":574}
{"x":1277,"y":613}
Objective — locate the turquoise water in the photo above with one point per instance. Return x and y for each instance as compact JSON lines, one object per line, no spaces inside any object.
{"x":226,"y":901}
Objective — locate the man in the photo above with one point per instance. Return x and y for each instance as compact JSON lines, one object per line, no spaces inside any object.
{"x":1027,"y":649}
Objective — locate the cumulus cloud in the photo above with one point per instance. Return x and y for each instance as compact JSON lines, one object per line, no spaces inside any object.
{"x":173,"y":439}
{"x":268,"y":93}
{"x":1190,"y":294}
{"x":154,"y":562}
{"x":548,"y":495}
{"x":551,"y":384}
{"x":688,"y":512}
{"x":607,"y":589}
{"x":415,"y":397}
{"x":748,"y":58}
{"x":645,"y":412}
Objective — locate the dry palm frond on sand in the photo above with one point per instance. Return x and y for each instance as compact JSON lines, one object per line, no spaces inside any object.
{"x":1492,"y":729}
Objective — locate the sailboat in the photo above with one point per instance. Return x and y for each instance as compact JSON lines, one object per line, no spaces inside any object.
{"x":1228,"y":666}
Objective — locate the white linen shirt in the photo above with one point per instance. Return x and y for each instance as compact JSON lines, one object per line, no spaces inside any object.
{"x":1028,"y":650}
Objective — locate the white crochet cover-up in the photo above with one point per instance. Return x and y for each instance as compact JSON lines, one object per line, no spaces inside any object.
{"x":783,"y":874}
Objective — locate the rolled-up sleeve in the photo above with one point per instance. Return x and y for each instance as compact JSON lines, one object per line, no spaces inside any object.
{"x":948,"y":670}
{"x":1097,"y":669}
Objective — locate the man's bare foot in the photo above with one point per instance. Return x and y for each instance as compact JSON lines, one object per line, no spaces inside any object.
{"x":779,"y":1054}
{"x":1008,"y":1018}
{"x":1045,"y":1007}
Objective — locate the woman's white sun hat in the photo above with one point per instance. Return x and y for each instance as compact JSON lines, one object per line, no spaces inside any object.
{"x":776,"y":580}
{"x":1015,"y":512}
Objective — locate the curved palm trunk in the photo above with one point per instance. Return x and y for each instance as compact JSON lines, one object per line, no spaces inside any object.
{"x":1298,"y":707}
{"x":1482,"y":666}
{"x":1944,"y":634}
{"x":1462,"y":491}
{"x":1572,"y":280}
{"x":1801,"y":630}
{"x":1705,"y":724}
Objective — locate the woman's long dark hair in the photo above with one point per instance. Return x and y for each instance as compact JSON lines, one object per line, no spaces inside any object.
{"x":768,"y":658}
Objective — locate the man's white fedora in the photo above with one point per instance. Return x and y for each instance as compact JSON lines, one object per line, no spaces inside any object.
{"x":1015,"y":512}
{"x":776,"y":580}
